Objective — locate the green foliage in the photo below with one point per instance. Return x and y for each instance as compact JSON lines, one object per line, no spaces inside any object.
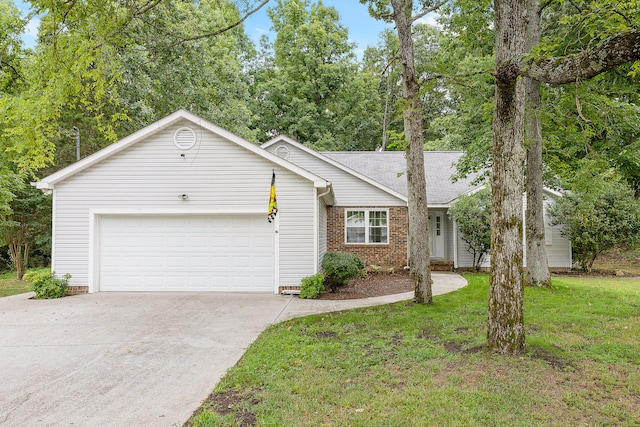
{"x":45,"y":284}
{"x":307,"y":84}
{"x":26,"y":227}
{"x":472,"y":215}
{"x":599,"y":214}
{"x":339,"y":268}
{"x":312,"y":286}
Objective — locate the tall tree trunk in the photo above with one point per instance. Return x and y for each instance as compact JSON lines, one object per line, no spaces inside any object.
{"x":506,"y":320}
{"x":418,"y":214}
{"x":16,"y":255}
{"x":537,"y":263}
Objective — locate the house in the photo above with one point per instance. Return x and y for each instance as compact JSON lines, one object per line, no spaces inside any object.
{"x":181,"y":205}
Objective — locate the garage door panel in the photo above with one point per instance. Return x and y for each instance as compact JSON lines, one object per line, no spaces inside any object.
{"x":186,"y":253}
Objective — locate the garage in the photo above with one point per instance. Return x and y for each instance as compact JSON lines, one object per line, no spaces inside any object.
{"x":187,"y":252}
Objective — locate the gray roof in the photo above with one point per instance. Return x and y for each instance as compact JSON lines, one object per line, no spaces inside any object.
{"x":388,"y":168}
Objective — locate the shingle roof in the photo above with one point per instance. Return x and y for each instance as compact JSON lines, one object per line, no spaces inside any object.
{"x":388,"y":168}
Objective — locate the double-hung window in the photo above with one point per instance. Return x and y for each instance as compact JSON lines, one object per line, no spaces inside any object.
{"x":367,"y":226}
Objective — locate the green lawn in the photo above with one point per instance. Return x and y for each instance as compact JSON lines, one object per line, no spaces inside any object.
{"x":9,"y":285}
{"x":410,"y":365}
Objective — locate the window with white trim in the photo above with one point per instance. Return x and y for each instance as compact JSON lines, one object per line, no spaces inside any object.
{"x":367,"y":226}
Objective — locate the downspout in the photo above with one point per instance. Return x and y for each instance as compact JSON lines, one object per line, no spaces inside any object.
{"x":316,"y":234}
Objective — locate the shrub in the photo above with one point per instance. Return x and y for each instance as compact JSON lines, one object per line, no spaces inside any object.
{"x":597,"y":218}
{"x":312,"y":286}
{"x":339,"y":268}
{"x":472,"y":214}
{"x":46,"y":285}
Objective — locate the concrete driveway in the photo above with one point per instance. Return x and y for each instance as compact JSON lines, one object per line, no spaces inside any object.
{"x":134,"y":359}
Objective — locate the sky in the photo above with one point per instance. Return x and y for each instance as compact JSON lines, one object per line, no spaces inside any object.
{"x":363,"y":29}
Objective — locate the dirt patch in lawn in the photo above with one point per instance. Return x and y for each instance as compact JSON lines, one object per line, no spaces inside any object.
{"x":373,"y":285}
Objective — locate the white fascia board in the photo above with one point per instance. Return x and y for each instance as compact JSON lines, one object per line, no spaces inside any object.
{"x":49,"y":182}
{"x":282,"y":138}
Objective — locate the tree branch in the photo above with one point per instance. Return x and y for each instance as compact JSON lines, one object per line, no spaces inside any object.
{"x":428,"y":10}
{"x":230,"y":27}
{"x":608,"y":54}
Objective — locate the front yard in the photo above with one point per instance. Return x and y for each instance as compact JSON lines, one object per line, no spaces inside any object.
{"x":9,"y":285}
{"x":405,"y":364}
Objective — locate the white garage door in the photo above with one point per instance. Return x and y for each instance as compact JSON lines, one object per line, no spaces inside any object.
{"x":186,"y":253}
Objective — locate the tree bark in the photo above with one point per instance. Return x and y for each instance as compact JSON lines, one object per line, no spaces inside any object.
{"x":606,"y":55}
{"x":506,"y":319}
{"x":537,"y":262}
{"x":418,"y":213}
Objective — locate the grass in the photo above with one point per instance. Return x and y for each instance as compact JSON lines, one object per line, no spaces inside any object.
{"x":9,"y":285}
{"x":410,"y":365}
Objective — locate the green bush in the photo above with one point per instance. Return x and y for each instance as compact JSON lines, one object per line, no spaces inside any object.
{"x":46,"y":285}
{"x":339,"y":268}
{"x":312,"y":286}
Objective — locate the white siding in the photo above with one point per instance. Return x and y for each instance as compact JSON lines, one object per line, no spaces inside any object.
{"x":448,"y":237}
{"x":349,"y":190}
{"x":217,"y":175}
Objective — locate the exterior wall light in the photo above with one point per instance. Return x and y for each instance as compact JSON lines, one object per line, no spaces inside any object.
{"x":183,"y":196}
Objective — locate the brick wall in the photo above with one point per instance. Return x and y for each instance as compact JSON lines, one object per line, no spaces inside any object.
{"x":393,"y":254}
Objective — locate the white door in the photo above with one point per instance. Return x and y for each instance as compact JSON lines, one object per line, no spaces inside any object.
{"x":186,"y":253}
{"x":436,"y":234}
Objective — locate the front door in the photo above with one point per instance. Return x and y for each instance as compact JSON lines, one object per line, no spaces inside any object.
{"x":436,"y":234}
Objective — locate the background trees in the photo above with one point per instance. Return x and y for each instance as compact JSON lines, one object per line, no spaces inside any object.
{"x":599,"y":214}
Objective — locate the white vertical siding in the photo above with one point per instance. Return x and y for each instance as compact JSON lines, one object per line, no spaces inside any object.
{"x":216,"y":174}
{"x":448,"y":237}
{"x":349,"y":190}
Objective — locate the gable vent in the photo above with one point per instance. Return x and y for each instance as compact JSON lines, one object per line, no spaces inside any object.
{"x":184,"y":138}
{"x":282,"y":151}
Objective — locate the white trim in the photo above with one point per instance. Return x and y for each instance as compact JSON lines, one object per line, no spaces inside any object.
{"x":50,"y":181}
{"x":455,"y":245}
{"x":366,"y":227}
{"x":94,"y":255}
{"x":178,"y":211}
{"x":53,"y":230}
{"x":282,"y":138}
{"x":316,"y":231}
{"x":276,"y":254}
{"x":94,"y":235}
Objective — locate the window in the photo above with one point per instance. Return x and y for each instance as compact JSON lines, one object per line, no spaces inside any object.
{"x":367,"y":226}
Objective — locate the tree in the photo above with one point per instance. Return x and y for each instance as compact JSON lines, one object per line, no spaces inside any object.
{"x":537,"y":262}
{"x":28,"y":225}
{"x":472,"y":216}
{"x":619,"y":46}
{"x":598,"y":216}
{"x":308,"y":85}
{"x":506,"y":318}
{"x":401,"y":12}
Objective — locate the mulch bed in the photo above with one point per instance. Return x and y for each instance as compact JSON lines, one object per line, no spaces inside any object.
{"x":373,"y":285}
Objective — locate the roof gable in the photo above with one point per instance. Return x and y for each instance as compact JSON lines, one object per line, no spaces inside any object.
{"x":49,"y":182}
{"x":337,"y":164}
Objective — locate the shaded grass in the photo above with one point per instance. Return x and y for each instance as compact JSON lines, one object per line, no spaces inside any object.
{"x":9,"y":285}
{"x":406,"y":364}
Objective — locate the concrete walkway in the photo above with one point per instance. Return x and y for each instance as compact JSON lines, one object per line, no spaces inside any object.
{"x":442,"y":284}
{"x":135,"y":359}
